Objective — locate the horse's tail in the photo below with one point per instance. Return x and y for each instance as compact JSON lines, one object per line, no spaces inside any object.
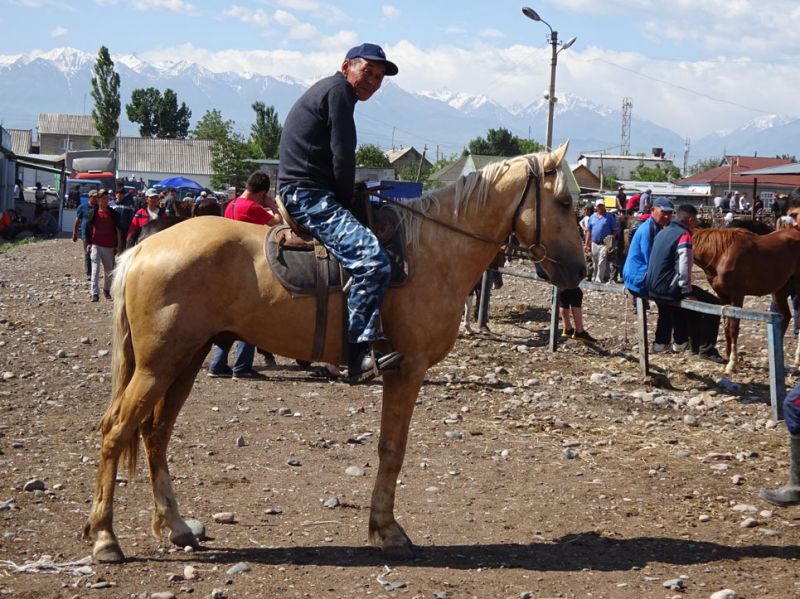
{"x":123,"y":361}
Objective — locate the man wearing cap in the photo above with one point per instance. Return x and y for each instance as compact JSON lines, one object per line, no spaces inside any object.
{"x":669,"y":277}
{"x":646,"y":201}
{"x":316,"y":177}
{"x":80,"y":225}
{"x":151,"y":211}
{"x":601,"y":224}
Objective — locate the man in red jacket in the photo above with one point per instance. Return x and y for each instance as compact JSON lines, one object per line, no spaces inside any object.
{"x":249,"y":208}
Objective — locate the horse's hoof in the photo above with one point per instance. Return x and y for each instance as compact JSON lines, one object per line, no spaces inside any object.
{"x":183,"y":539}
{"x":398,"y":551}
{"x":108,"y":554}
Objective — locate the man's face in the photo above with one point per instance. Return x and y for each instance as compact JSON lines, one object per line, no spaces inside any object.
{"x":601,"y":209}
{"x":365,"y":76}
{"x":103,"y":200}
{"x":691,"y":222}
{"x":152,"y":201}
{"x":794,"y":212}
{"x":662,"y":217}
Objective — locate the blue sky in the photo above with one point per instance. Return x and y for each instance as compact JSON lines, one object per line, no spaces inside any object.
{"x":692,"y":66}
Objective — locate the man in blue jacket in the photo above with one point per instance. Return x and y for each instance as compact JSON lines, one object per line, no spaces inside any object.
{"x":635,"y":269}
{"x":669,"y":277}
{"x":316,"y":177}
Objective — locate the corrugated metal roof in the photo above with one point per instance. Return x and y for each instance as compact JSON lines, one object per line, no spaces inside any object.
{"x":21,"y":140}
{"x":150,"y":155}
{"x":66,"y":124}
{"x":786,"y":169}
{"x":733,"y":165}
{"x":393,"y":155}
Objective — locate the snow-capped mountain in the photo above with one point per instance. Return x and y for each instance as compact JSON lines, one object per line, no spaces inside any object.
{"x":58,"y":81}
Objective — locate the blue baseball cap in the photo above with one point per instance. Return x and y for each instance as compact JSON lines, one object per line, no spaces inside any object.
{"x":664,"y":204}
{"x":372,"y":52}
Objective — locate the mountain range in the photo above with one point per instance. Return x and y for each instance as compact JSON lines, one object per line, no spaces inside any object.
{"x":58,"y":81}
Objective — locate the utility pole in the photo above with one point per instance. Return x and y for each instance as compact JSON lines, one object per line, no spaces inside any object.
{"x":625,"y":139}
{"x":686,"y":157}
{"x":421,"y":160}
{"x":393,"y":130}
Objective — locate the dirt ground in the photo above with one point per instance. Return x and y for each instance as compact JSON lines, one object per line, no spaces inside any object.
{"x":564,"y":475}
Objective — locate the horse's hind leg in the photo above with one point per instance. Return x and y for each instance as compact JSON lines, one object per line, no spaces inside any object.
{"x":156,"y":432}
{"x":120,"y":427}
{"x":400,"y":392}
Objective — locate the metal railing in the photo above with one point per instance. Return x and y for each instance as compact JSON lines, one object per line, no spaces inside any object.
{"x":773,"y":321}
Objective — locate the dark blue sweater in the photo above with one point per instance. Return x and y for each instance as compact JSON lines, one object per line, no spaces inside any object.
{"x":318,"y":143}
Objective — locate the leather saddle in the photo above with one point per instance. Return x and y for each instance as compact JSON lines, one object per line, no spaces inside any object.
{"x":305,"y":267}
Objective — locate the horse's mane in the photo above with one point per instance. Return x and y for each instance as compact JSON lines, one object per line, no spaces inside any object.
{"x":469,"y":193}
{"x":710,"y":244}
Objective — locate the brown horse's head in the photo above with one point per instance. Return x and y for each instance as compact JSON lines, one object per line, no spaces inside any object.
{"x":545,"y":218}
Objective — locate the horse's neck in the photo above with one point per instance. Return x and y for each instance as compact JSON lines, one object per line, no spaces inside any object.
{"x":458,"y":256}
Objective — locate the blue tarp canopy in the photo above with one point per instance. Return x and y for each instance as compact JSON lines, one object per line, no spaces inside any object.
{"x":180,"y":183}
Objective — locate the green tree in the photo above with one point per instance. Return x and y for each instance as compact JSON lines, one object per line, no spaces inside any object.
{"x":371,"y":155}
{"x":230,"y":154}
{"x":501,"y":142}
{"x":142,"y":109}
{"x":655,"y":173}
{"x":157,"y":115}
{"x":105,"y":93}
{"x":704,"y":165}
{"x":265,"y":133}
{"x":530,"y":146}
{"x":172,"y":120}
{"x":211,"y":126}
{"x":790,"y":157}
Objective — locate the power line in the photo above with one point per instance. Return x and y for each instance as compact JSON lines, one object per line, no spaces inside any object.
{"x":681,"y":87}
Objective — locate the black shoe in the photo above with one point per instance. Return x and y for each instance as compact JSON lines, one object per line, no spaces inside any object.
{"x":712,"y":356}
{"x":365,"y":364}
{"x":251,"y":374}
{"x":95,"y":298}
{"x":584,"y":336}
{"x":107,"y":295}
{"x":224,"y":373}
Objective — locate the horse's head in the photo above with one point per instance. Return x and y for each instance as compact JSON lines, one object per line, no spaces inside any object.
{"x":545,"y":221}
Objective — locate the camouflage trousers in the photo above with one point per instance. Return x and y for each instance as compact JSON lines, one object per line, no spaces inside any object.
{"x":354,"y":246}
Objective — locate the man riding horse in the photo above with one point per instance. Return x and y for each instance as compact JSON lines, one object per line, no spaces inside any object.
{"x":316,"y":179}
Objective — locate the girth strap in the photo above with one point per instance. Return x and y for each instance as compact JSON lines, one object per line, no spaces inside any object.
{"x":321,"y":321}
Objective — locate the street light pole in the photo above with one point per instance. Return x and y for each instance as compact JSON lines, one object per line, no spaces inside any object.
{"x":551,"y":96}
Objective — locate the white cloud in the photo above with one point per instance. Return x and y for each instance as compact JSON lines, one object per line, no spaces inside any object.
{"x":59,"y":32}
{"x":247,"y":15}
{"x":178,"y":6}
{"x":490,"y":32}
{"x":44,"y":4}
{"x":296,"y":29}
{"x":390,"y":12}
{"x":321,"y":10}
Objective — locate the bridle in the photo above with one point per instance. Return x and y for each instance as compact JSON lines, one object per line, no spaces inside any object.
{"x":537,"y":249}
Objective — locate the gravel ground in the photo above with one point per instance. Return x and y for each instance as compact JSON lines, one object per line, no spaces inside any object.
{"x":528,"y":473}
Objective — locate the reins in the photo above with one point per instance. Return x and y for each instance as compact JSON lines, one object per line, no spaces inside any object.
{"x":533,"y":178}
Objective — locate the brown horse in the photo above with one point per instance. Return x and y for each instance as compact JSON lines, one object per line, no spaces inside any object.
{"x":739,"y":263}
{"x":206,"y":278}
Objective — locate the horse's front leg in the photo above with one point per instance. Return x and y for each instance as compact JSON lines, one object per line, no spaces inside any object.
{"x":400,"y":392}
{"x":732,"y":338}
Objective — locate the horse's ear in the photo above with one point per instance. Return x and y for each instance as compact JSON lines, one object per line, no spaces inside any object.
{"x":554,"y":157}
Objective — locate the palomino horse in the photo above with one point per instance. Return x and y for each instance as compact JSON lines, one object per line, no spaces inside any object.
{"x":207,"y":278}
{"x":739,"y":263}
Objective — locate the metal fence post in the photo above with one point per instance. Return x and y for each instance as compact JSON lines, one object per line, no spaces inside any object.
{"x":483,"y":301}
{"x":641,"y":321}
{"x":554,"y":320}
{"x":777,"y":384}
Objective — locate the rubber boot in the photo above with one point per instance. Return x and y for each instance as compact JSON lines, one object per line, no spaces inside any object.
{"x":788,"y":494}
